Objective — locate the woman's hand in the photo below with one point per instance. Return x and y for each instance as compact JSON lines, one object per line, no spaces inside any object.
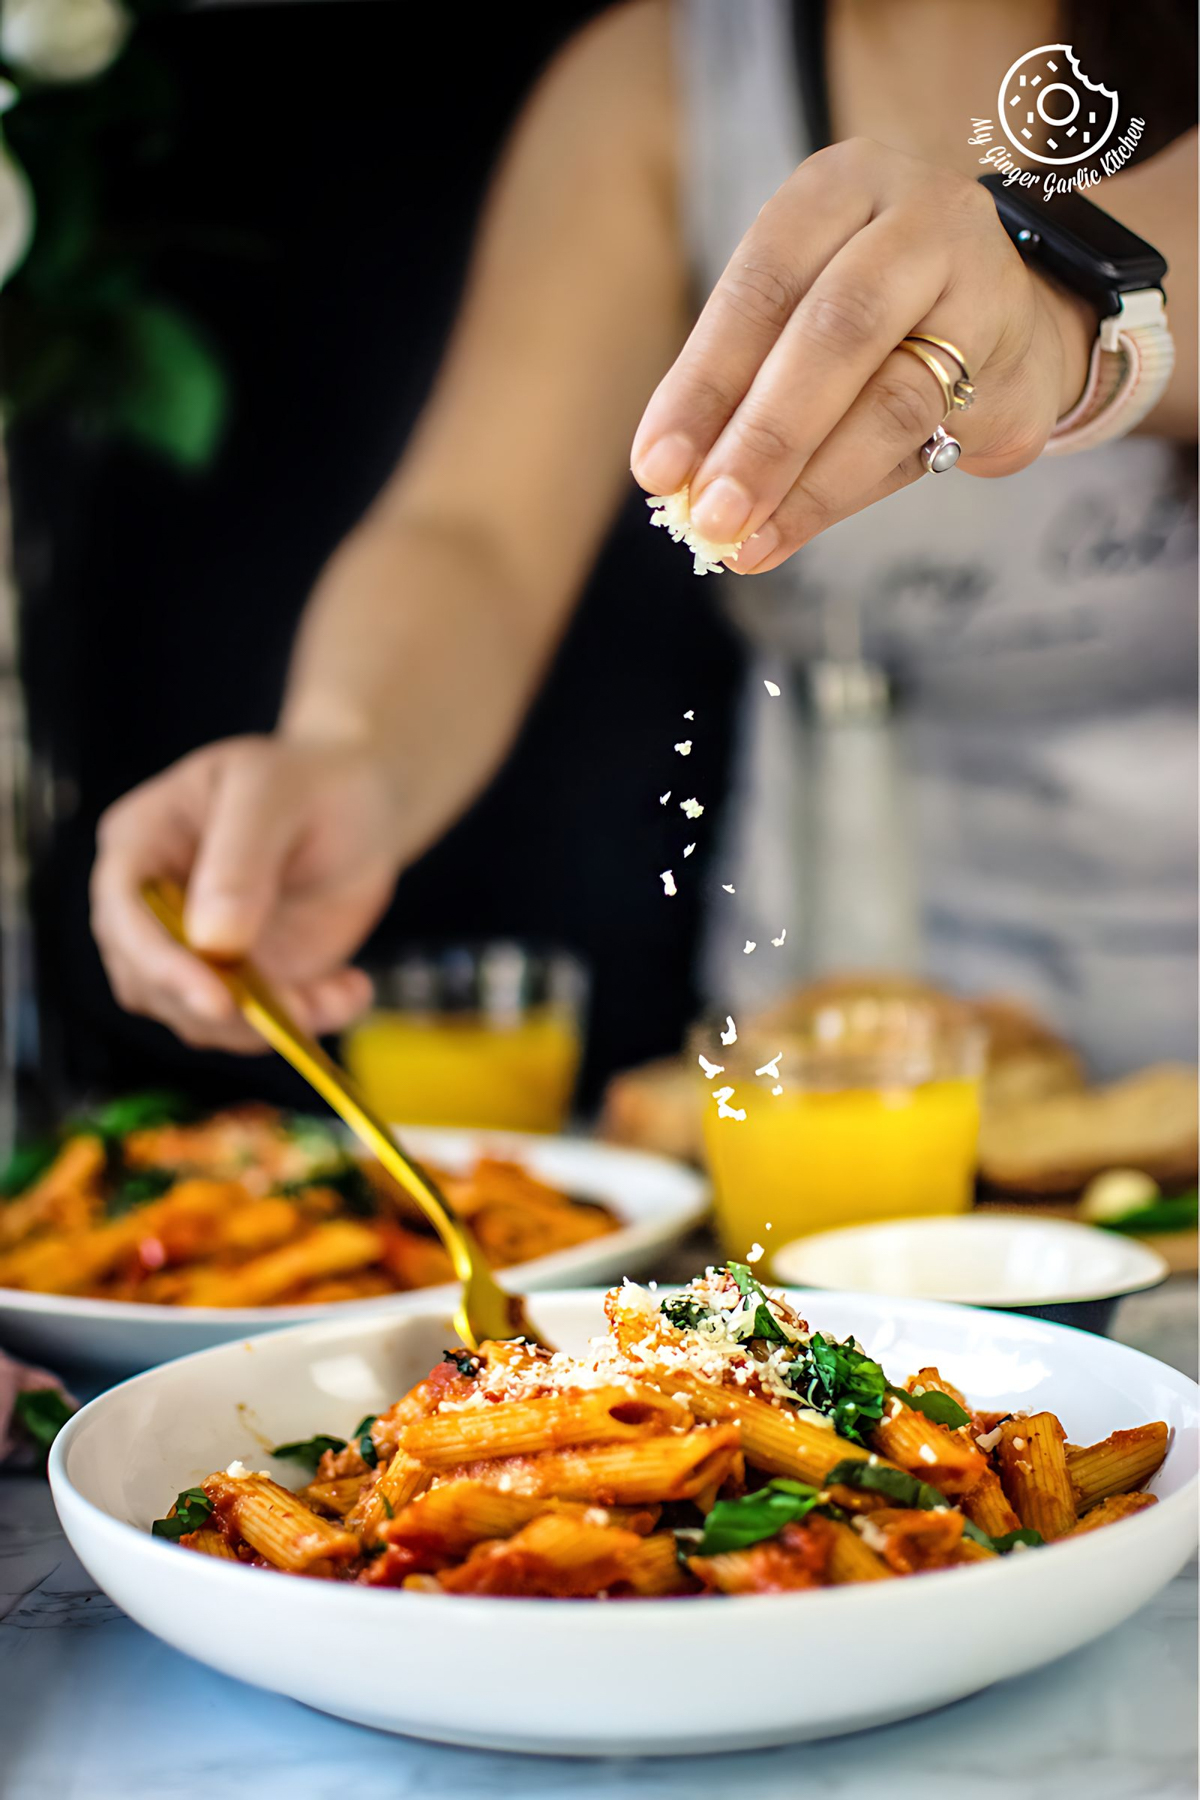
{"x":790,"y":407}
{"x":289,"y":851}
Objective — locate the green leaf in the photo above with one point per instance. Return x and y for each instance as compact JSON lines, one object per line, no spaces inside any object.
{"x":138,"y":1189}
{"x":308,"y":1451}
{"x":735,"y":1524}
{"x":145,"y":1111}
{"x":683,"y":1313}
{"x":1178,"y":1213}
{"x":906,"y":1490}
{"x":1002,"y":1545}
{"x":943,"y":1409}
{"x":175,"y":397}
{"x":766,"y":1325}
{"x":878,"y":1478}
{"x":366,"y":1443}
{"x":41,"y":1413}
{"x":26,"y":1163}
{"x":465,"y":1361}
{"x":193,"y":1508}
{"x":841,"y":1381}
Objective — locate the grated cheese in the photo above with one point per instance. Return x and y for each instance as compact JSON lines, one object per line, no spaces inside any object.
{"x":673,"y":513}
{"x":771,"y":1068}
{"x":989,"y":1439}
{"x":684,"y":749}
{"x":729,"y":1035}
{"x":772,"y":688}
{"x":668,"y":880}
{"x":691,"y":807}
{"x":927,"y":1453}
{"x":779,"y":941}
{"x":688,"y":849}
{"x":749,"y":946}
{"x":710,"y":1068}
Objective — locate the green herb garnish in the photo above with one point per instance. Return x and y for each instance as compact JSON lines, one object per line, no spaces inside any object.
{"x":366,"y":1443}
{"x":766,"y":1325}
{"x":1177,"y":1213}
{"x":841,"y":1381}
{"x":115,"y":1119}
{"x":943,"y":1409}
{"x":906,"y":1490}
{"x":193,"y":1508}
{"x":138,"y":1189}
{"x":735,"y":1524}
{"x":683,"y":1313}
{"x":465,"y":1361}
{"x":26,"y":1163}
{"x":41,"y":1413}
{"x":308,"y":1451}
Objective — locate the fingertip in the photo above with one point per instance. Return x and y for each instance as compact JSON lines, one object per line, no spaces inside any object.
{"x":224,"y":924}
{"x":662,"y":466}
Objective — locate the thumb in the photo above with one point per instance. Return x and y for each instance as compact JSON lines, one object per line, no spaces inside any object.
{"x":250,"y":831}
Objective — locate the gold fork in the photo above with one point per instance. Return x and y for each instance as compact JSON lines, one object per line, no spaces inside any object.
{"x":485,"y":1310}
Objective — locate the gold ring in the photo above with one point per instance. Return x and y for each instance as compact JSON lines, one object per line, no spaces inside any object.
{"x":936,"y":370}
{"x":964,"y":388}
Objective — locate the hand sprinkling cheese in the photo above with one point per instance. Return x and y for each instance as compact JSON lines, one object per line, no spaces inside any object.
{"x":668,"y":881}
{"x":692,"y":808}
{"x":688,"y":849}
{"x":771,"y":1068}
{"x":778,"y":942}
{"x":685,"y":749}
{"x":729,"y":1035}
{"x":772,"y":688}
{"x":749,"y":946}
{"x":673,"y":512}
{"x":710,"y":1068}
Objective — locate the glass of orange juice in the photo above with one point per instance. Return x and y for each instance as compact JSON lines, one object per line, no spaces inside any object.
{"x":484,"y":1035}
{"x":864,"y":1106}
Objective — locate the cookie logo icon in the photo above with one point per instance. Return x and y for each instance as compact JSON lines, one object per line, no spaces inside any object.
{"x":1050,"y":111}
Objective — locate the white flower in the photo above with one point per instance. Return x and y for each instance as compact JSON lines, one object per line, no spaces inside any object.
{"x":16,"y":215}
{"x":62,"y":40}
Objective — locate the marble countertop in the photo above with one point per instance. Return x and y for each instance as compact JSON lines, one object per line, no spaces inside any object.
{"x":94,"y":1708}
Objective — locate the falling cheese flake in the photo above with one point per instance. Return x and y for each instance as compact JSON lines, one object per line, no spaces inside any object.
{"x":685,"y":749}
{"x":663,"y":798}
{"x":777,"y":1089}
{"x":729,"y":1035}
{"x":689,"y":715}
{"x":755,"y":1253}
{"x":749,"y":946}
{"x":722,"y":1096}
{"x":728,"y":887}
{"x":772,"y":688}
{"x":692,"y":808}
{"x":668,"y":880}
{"x":771,"y":1068}
{"x":768,"y":1226}
{"x":710,"y":1068}
{"x":688,"y":849}
{"x":673,"y":512}
{"x":778,"y":942}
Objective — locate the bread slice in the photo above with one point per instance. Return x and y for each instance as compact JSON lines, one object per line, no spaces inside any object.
{"x":1055,"y":1144}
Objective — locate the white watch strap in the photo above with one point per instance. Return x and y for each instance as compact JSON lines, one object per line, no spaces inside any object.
{"x":1130,"y":367}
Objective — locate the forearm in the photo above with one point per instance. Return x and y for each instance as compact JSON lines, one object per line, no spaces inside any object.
{"x":416,"y":646}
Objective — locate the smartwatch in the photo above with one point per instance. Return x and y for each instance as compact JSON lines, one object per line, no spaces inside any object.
{"x":1121,"y":275}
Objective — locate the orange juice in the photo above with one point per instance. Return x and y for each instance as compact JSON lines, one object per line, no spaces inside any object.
{"x":467,"y":1069}
{"x":808,"y":1160}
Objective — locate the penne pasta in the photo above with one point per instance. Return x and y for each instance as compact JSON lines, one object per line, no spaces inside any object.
{"x":709,"y":1443}
{"x":1121,"y":1462}
{"x":1033,"y":1469}
{"x":278,"y":1525}
{"x":330,"y":1249}
{"x":591,"y":1416}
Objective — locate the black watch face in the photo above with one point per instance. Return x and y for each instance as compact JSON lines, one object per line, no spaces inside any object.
{"x":1083,"y":246}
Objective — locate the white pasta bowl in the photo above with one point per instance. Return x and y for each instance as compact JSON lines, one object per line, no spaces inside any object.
{"x":657,"y":1201}
{"x":623,"y":1677}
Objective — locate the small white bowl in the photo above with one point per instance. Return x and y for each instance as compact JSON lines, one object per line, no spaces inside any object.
{"x":1050,"y":1268}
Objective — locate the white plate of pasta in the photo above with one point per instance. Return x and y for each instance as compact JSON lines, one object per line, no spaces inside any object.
{"x":632,"y":1548}
{"x":139,"y":1236}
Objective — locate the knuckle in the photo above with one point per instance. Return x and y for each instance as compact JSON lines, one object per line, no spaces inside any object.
{"x":764,"y":436}
{"x":762,"y":292}
{"x":906,"y":411}
{"x":812,"y":508}
{"x":842,"y":322}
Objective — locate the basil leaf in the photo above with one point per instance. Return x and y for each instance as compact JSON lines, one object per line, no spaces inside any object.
{"x":683,"y":1313}
{"x":308,"y":1451}
{"x":1177,"y":1213}
{"x":841,"y":1381}
{"x":193,"y":1508}
{"x":735,"y":1524}
{"x":1002,"y":1545}
{"x":41,"y":1413}
{"x":138,"y":1189}
{"x":366,"y":1443}
{"x":877,"y":1478}
{"x":943,"y":1409}
{"x":766,"y":1325}
{"x":133,"y":1112}
{"x":906,"y":1490}
{"x":23,"y":1167}
{"x":465,"y":1361}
